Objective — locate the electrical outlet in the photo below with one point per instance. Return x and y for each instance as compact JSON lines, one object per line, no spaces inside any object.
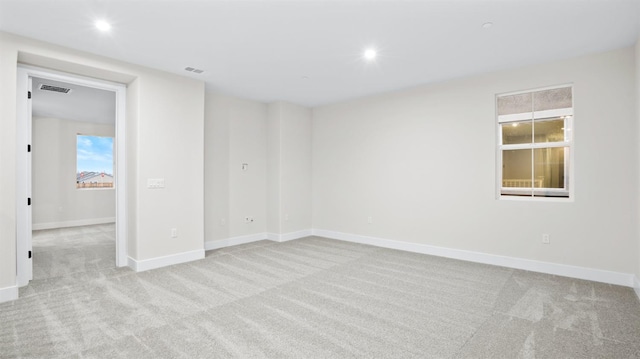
{"x":174,"y":232}
{"x":545,"y":238}
{"x":369,"y":219}
{"x":248,"y":219}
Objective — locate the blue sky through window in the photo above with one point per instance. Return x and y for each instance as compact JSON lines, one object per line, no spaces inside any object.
{"x":95,"y":154}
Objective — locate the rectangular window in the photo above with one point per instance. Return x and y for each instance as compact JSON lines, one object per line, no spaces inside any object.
{"x":94,"y":162}
{"x":534,"y":142}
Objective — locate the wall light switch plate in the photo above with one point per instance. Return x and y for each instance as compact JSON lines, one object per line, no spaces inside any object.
{"x":155,"y":183}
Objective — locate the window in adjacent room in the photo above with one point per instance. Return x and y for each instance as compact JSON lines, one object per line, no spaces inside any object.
{"x":535,"y":142}
{"x":94,"y":162}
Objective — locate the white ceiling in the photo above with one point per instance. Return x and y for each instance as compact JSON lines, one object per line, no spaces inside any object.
{"x":309,"y":52}
{"x":80,"y":104}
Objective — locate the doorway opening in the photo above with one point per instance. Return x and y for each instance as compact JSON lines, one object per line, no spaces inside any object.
{"x":72,"y":173}
{"x":73,"y":192}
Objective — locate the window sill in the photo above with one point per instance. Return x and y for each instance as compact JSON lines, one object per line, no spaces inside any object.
{"x":96,"y":189}
{"x":535,"y":199}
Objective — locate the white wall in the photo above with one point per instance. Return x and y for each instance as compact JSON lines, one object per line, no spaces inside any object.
{"x":421,"y":163}
{"x":248,"y":144}
{"x":170,"y":145}
{"x":275,"y":142}
{"x":165,"y":115}
{"x":56,"y":200}
{"x":133,"y":112}
{"x":235,"y":133}
{"x":274,"y":170}
{"x":8,"y":60}
{"x":289,"y":168}
{"x":216,"y":167}
{"x":637,"y":79}
{"x":295,"y":168}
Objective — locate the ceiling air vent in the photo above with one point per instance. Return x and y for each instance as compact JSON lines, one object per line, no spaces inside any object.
{"x":52,"y":88}
{"x":194,"y":70}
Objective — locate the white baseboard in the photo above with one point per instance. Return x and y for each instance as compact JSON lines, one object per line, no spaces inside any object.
{"x":8,"y":294}
{"x":158,"y":262}
{"x":76,"y":223}
{"x":276,"y":237}
{"x":289,"y":236}
{"x":597,"y":275}
{"x":234,"y":241}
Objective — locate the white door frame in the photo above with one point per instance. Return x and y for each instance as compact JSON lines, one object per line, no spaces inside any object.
{"x":23,"y":184}
{"x":24,"y":268}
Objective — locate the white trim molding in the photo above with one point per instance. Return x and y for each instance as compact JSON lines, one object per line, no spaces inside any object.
{"x":8,"y":294}
{"x":636,"y":286}
{"x":276,"y":237}
{"x":234,"y":241}
{"x":159,"y":262}
{"x":77,"y":223}
{"x":597,"y":275}
{"x":25,"y":73}
{"x":284,"y":237}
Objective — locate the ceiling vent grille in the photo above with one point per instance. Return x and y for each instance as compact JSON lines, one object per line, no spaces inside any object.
{"x":194,"y":70}
{"x":52,"y":88}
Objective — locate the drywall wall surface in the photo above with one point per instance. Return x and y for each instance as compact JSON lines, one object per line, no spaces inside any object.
{"x":167,"y":113}
{"x":170,"y":148}
{"x":216,"y":167}
{"x":420,"y":165}
{"x":248,"y":186}
{"x":8,"y":59}
{"x":289,"y":168}
{"x":235,"y":135}
{"x":56,"y":200}
{"x":637,"y":79}
{"x":274,"y":160}
{"x":295,"y":168}
{"x":131,"y":130}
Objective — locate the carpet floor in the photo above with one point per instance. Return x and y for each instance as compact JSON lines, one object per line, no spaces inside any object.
{"x":318,"y":298}
{"x":64,"y":251}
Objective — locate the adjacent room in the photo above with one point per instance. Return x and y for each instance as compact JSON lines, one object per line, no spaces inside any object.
{"x":73,"y":198}
{"x":320,"y":179}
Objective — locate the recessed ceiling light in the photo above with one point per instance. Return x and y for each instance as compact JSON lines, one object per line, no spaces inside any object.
{"x":103,"y":25}
{"x":370,"y":54}
{"x":487,"y":25}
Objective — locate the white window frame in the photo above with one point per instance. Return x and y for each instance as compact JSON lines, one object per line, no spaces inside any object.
{"x":532,"y":193}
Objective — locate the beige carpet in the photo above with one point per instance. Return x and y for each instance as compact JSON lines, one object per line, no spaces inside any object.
{"x":63,"y":251}
{"x":320,"y":298}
